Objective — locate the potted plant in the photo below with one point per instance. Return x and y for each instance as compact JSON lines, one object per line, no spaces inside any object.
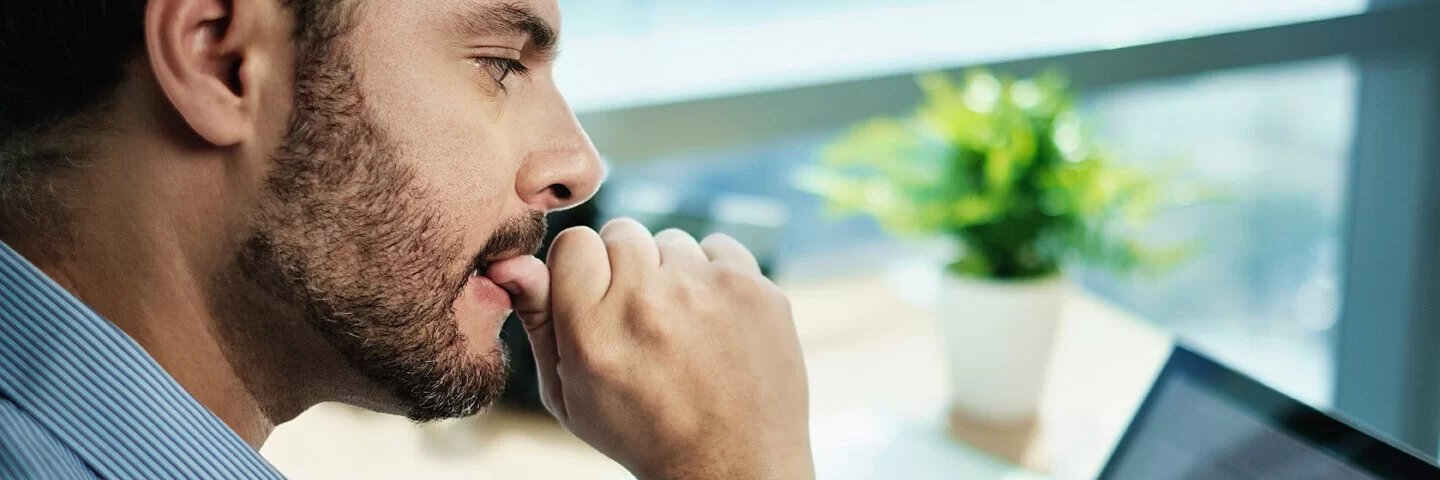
{"x":1002,"y":167}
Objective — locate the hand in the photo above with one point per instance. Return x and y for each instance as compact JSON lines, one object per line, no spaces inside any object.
{"x":675,"y":358}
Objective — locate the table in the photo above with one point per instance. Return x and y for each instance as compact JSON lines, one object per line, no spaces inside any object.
{"x":868,"y":421}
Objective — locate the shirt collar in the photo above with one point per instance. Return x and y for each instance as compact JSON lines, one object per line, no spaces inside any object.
{"x":98,"y":391}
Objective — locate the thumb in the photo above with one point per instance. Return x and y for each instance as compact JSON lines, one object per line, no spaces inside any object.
{"x":528,"y":281}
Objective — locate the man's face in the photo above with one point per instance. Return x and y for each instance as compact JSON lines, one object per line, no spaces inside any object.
{"x":420,"y":150}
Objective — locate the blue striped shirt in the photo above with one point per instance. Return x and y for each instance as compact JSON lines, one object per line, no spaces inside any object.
{"x":80,"y":400}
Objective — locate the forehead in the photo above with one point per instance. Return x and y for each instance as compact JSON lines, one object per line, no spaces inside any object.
{"x":384,"y":11}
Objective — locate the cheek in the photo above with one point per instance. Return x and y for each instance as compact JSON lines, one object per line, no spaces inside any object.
{"x":455,"y":146}
{"x":452,"y":134}
{"x":460,"y":186}
{"x":462,"y":170}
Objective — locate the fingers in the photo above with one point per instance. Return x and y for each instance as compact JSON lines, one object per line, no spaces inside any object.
{"x":679,"y":249}
{"x":723,"y":250}
{"x":528,"y":282}
{"x":631,"y":251}
{"x":579,"y":267}
{"x":580,"y":275}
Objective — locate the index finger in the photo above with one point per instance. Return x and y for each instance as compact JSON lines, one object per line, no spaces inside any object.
{"x":579,"y":272}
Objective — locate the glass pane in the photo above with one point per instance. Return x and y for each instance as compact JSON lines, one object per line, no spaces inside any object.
{"x":1263,"y":294}
{"x":625,"y":52}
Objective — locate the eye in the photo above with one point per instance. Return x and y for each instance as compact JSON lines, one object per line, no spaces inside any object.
{"x":500,"y":69}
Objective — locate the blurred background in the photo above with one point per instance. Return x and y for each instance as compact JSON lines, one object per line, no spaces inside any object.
{"x":1314,"y":270}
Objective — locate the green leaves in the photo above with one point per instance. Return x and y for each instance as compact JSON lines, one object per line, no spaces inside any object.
{"x":1003,"y":166}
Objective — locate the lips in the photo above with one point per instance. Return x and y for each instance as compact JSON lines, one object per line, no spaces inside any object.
{"x":487,"y":291}
{"x":487,"y":288}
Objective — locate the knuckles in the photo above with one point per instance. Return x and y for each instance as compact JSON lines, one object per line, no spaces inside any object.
{"x":624,"y":233}
{"x":673,"y":236}
{"x":666,"y":309}
{"x":733,"y":280}
{"x":744,"y":284}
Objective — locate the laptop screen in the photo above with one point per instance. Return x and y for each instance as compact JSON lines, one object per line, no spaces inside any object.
{"x":1195,"y":435}
{"x":1205,"y":422}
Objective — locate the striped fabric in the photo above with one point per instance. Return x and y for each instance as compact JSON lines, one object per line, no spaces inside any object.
{"x":80,"y":399}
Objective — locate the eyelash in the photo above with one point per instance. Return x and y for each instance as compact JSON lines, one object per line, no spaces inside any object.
{"x":504,"y":66}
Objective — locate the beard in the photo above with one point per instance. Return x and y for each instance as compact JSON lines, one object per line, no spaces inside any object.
{"x":349,"y":235}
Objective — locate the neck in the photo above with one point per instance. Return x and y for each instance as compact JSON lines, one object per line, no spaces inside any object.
{"x":144,"y":250}
{"x":137,"y":283}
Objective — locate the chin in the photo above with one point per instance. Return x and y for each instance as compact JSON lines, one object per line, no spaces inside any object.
{"x":424,"y":375}
{"x":485,"y":362}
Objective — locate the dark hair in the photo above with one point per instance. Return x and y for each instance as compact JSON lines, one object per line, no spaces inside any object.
{"x":60,"y":64}
{"x":61,"y":57}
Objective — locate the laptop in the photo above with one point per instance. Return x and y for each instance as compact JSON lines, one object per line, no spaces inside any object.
{"x":1203,"y":421}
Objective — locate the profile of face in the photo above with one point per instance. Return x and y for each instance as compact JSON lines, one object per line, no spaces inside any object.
{"x":424,"y":143}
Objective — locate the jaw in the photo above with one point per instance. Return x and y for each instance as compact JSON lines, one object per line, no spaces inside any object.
{"x":283,"y":361}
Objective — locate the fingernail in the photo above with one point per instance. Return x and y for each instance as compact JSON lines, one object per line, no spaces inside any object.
{"x":511,"y":287}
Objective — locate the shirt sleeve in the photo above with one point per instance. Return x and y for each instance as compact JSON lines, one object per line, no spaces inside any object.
{"x":28,"y":450}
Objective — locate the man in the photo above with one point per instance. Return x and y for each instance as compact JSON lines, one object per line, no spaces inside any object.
{"x":218,"y":213}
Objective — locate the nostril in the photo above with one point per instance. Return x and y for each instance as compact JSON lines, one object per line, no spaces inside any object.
{"x":561,"y":192}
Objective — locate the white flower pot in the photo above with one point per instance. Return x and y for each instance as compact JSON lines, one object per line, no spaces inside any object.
{"x":999,"y":337}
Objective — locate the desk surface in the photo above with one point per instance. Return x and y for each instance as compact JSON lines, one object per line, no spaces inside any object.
{"x":868,"y":421}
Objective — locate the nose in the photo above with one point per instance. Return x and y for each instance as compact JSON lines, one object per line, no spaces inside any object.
{"x":564,"y":172}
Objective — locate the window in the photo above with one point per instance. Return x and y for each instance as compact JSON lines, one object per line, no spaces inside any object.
{"x":1263,"y":292}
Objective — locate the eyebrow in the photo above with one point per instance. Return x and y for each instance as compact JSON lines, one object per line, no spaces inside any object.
{"x":509,"y":18}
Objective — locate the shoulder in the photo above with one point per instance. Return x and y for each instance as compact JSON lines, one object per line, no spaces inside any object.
{"x":28,"y":450}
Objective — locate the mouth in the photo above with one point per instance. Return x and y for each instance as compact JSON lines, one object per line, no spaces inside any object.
{"x":518,"y":237}
{"x":485,"y":288}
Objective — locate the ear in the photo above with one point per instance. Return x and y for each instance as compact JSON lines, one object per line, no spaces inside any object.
{"x":211,"y":57}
